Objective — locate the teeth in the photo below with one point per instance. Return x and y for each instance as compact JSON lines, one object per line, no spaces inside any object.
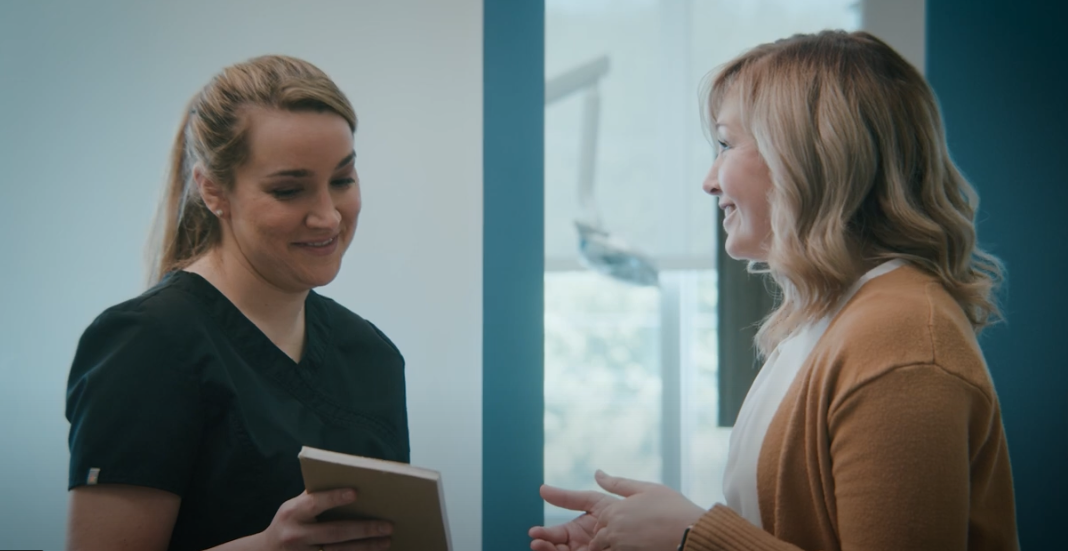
{"x":322,"y":243}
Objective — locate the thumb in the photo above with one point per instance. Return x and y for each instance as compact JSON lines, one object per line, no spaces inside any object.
{"x":586,"y":501}
{"x":621,"y":486}
{"x":600,"y":540}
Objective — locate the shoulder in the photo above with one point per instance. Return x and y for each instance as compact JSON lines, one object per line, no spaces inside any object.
{"x":160,"y":324}
{"x":166,"y":302}
{"x":902,"y":319}
{"x":348,"y":329}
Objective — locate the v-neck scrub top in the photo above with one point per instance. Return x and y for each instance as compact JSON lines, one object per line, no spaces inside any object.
{"x":177,"y":390}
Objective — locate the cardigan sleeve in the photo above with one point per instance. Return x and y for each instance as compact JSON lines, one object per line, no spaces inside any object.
{"x":902,"y":447}
{"x":721,"y":529}
{"x":901,"y":459}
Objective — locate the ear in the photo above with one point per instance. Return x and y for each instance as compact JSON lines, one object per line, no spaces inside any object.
{"x":211,"y":192}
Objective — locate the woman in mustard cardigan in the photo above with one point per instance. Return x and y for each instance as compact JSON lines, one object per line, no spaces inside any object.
{"x":874,"y":424}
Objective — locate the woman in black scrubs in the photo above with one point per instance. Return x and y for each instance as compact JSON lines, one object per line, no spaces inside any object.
{"x":188,"y":404}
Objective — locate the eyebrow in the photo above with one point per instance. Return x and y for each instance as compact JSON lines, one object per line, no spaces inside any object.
{"x":303,"y":172}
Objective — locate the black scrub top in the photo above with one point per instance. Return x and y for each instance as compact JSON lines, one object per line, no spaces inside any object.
{"x":177,"y":390}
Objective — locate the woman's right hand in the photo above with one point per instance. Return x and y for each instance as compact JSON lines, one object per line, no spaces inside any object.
{"x":577,"y":534}
{"x":294,"y":527}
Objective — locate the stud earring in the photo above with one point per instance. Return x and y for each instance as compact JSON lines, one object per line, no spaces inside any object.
{"x":218,"y":212}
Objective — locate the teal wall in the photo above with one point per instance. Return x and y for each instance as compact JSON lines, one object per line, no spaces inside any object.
{"x":999,"y":71}
{"x":513,"y":271}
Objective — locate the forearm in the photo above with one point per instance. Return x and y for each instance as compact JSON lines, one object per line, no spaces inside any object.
{"x":255,"y":542}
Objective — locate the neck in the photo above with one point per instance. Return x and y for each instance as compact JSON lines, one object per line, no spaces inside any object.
{"x":277,"y":312}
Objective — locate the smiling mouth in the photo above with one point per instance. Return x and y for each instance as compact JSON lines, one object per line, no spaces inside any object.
{"x":727,"y":210}
{"x":318,"y":244}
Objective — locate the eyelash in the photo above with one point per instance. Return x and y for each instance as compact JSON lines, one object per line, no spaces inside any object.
{"x":289,"y":193}
{"x":723,"y":146}
{"x":285,"y":193}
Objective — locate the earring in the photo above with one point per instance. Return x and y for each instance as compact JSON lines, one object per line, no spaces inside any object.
{"x":218,"y":212}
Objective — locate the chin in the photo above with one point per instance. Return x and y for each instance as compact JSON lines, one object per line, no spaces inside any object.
{"x":321,"y":281}
{"x":316,"y":278}
{"x":733,"y":250}
{"x":739,"y":251}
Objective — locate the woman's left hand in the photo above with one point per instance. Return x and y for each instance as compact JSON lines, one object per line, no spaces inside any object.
{"x":651,"y":517}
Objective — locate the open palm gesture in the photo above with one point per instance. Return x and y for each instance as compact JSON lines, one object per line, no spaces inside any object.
{"x":576,"y":534}
{"x":645,"y":517}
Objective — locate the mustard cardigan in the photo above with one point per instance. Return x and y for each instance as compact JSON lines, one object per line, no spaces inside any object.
{"x":890,"y":437}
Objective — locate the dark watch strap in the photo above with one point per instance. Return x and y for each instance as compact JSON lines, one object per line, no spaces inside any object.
{"x":685,"y":534}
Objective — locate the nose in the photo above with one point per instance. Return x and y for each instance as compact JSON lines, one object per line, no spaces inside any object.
{"x":324,"y":214}
{"x":711,"y":183}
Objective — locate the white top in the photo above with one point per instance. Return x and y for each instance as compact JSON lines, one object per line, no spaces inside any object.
{"x":763,"y":399}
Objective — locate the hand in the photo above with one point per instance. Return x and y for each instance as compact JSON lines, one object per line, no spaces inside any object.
{"x":651,"y":517}
{"x":295,"y":527}
{"x":576,"y":534}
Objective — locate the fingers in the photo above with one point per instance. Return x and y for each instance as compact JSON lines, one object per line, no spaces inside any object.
{"x":598,"y":527}
{"x":620,"y":486}
{"x":585,"y":501}
{"x":600,"y":541}
{"x":542,"y":545}
{"x":363,"y":545}
{"x":350,"y":532}
{"x":377,"y":544}
{"x":310,"y":505}
{"x":552,"y":534}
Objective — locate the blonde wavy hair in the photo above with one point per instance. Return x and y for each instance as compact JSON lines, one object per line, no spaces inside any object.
{"x":861,"y":173}
{"x":214,"y":133}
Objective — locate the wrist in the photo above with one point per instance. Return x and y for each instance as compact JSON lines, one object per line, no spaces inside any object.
{"x":685,"y":536}
{"x":695,"y":514}
{"x":258,"y":540}
{"x":254,"y":542}
{"x":691,"y":519}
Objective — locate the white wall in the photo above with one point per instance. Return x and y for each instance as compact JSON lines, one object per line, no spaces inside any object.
{"x":90,"y":99}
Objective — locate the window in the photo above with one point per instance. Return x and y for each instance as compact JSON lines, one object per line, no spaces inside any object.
{"x":633,"y":383}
